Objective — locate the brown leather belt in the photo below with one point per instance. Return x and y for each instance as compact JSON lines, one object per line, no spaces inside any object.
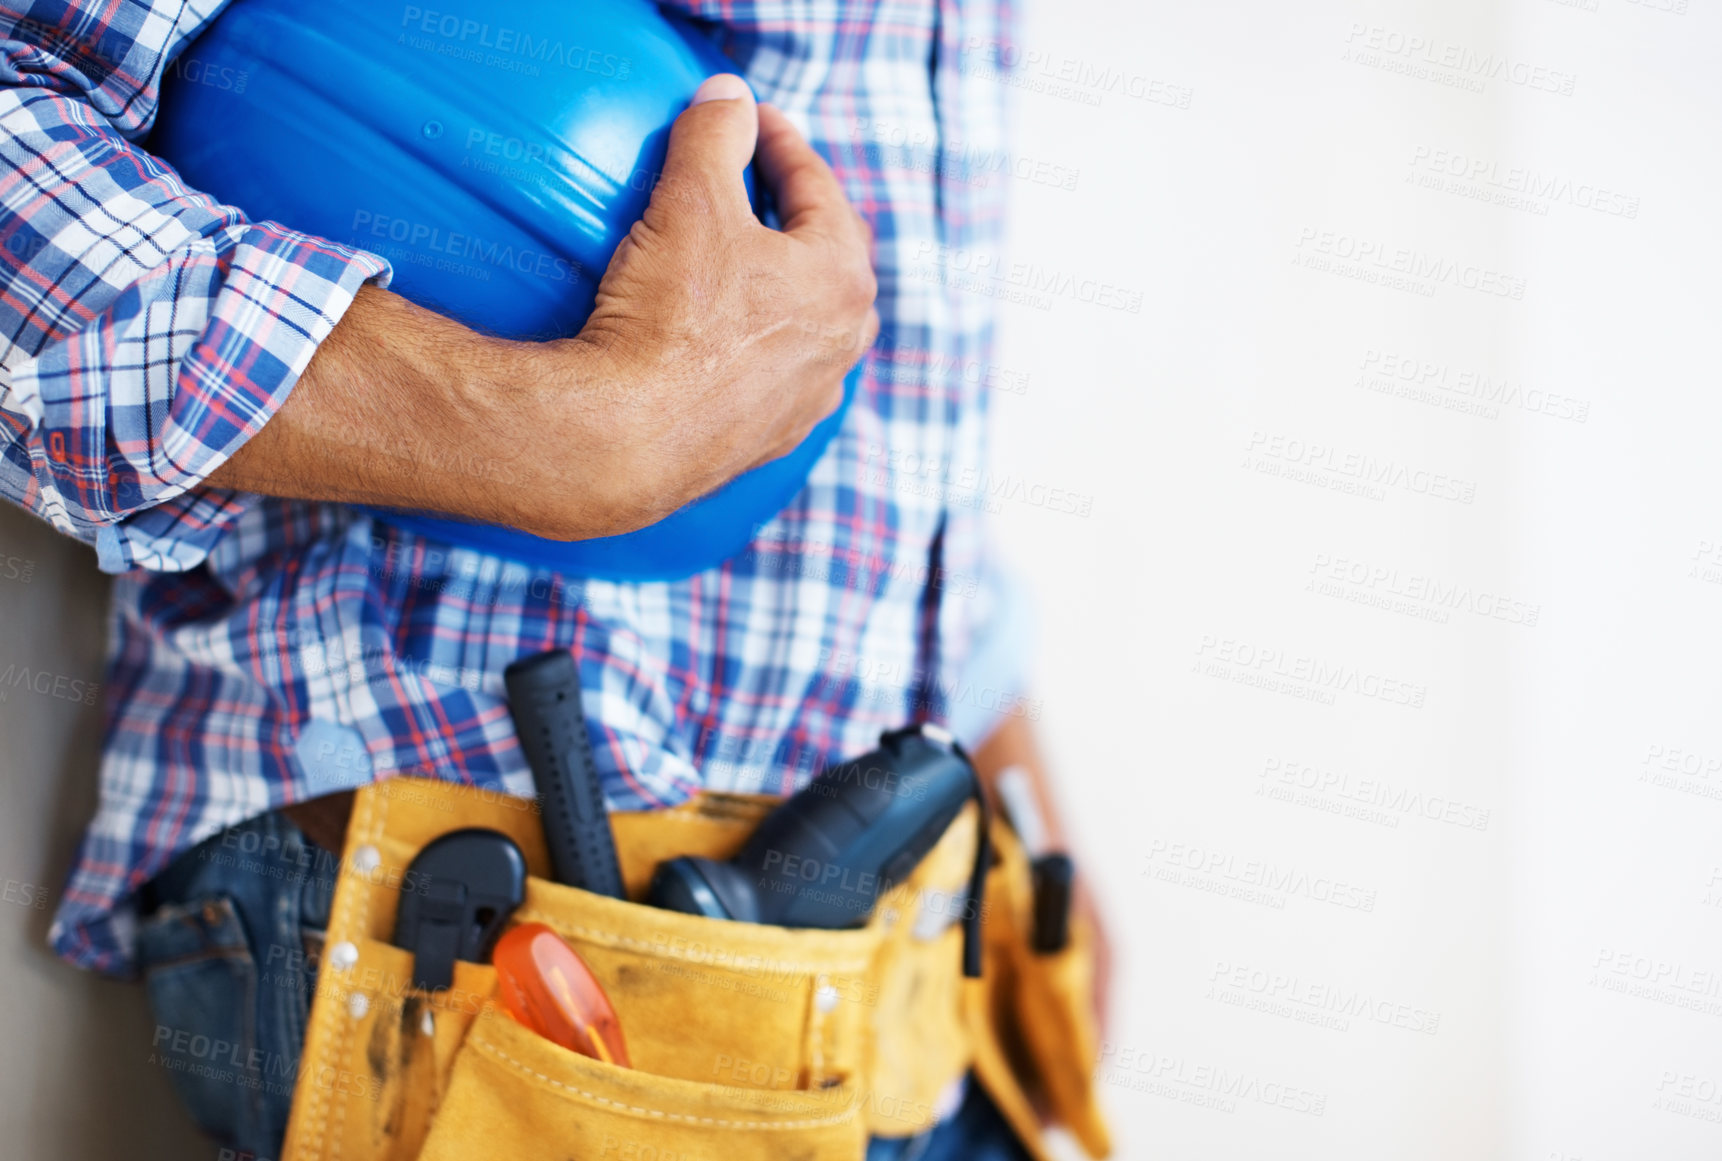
{"x":323,"y":820}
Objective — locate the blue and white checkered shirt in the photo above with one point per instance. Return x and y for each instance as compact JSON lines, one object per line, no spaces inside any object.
{"x":266,"y":651}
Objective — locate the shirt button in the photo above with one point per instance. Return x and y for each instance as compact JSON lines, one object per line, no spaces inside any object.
{"x":358,"y":1004}
{"x":366,"y":859}
{"x":343,"y":956}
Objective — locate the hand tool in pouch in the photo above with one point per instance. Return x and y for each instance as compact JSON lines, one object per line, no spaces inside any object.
{"x":859,"y":828}
{"x":547,"y":987}
{"x":1053,"y":873}
{"x":457,"y":894}
{"x":544,"y":700}
{"x":465,"y":885}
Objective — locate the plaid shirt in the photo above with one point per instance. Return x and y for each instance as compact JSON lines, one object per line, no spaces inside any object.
{"x":264,"y":651}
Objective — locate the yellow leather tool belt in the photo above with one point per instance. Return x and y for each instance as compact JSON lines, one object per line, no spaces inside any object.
{"x":747,"y":1041}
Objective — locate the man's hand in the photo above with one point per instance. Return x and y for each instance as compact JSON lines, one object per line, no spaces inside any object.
{"x":744,"y":333}
{"x":716,"y":345}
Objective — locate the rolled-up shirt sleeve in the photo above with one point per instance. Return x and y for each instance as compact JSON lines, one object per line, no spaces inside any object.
{"x":146,"y":330}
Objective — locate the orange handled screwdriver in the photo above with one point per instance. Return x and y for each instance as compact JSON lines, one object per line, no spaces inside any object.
{"x":548,"y":988}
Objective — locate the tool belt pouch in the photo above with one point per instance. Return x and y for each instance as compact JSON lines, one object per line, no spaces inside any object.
{"x":764,"y":1042}
{"x":1034,"y":1030}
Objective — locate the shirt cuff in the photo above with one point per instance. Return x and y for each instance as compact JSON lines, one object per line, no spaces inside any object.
{"x":993,"y":677}
{"x":280,"y":295}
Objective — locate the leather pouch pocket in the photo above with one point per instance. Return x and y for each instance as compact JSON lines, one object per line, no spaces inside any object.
{"x":375,"y":1089}
{"x":717,"y":1001}
{"x":1053,"y":999}
{"x":514,"y":1094}
{"x":751,"y":1031}
{"x":1032,"y":1019}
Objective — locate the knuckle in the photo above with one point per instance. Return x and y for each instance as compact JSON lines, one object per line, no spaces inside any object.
{"x":856,"y":285}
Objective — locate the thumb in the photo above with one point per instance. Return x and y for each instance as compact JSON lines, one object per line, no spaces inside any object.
{"x":710,"y":144}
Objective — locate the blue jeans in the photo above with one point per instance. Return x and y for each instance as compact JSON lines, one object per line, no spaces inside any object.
{"x":229,"y":947}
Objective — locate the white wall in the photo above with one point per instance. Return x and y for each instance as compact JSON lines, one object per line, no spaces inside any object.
{"x":1189,"y":424}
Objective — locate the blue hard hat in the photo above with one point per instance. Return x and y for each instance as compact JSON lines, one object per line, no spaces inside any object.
{"x":496,"y":155}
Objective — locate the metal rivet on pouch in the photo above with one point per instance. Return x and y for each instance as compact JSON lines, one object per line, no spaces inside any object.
{"x":343,"y":956}
{"x":366,"y":858}
{"x":358,"y":1004}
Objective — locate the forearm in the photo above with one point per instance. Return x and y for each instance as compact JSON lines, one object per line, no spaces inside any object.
{"x":399,"y":407}
{"x":1014,"y":743}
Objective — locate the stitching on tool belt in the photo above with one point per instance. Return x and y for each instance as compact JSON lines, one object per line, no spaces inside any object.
{"x":367,"y":827}
{"x":811,"y":1122}
{"x":611,"y":939}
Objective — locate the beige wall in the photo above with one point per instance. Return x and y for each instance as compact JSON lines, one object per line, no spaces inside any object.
{"x":75,"y":1082}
